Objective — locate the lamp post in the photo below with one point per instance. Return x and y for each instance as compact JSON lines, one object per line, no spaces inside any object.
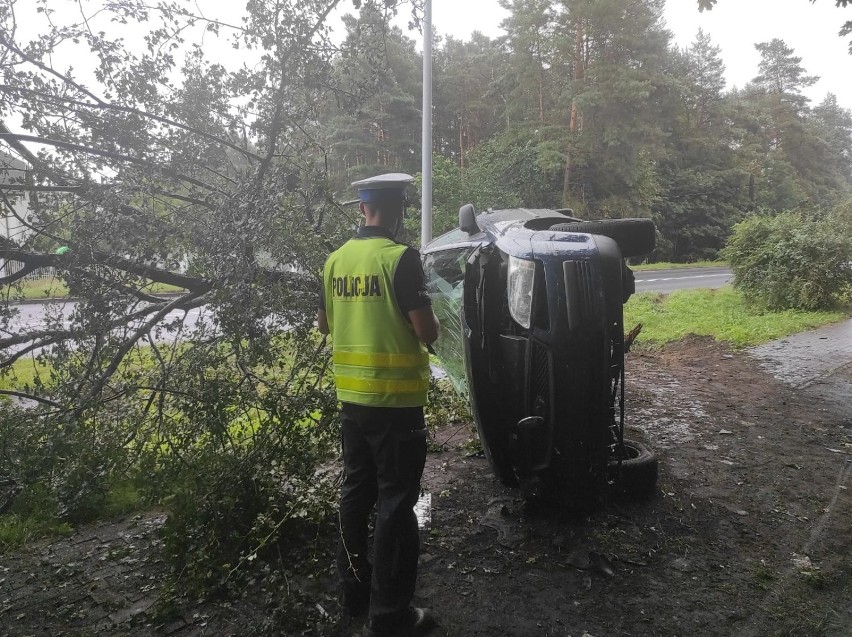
{"x":426,"y":143}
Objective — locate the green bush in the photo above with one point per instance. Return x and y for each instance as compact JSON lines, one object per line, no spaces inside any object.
{"x":33,"y":515}
{"x":792,"y":262}
{"x":444,"y":406}
{"x":239,"y":450}
{"x":243,"y":517}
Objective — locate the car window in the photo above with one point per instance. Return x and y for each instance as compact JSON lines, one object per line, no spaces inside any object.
{"x":453,"y":236}
{"x":445,"y":282}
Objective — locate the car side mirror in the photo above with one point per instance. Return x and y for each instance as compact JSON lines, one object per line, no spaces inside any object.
{"x":467,"y":219}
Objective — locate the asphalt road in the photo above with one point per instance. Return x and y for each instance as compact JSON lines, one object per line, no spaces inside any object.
{"x":33,"y":316}
{"x":682,"y":279}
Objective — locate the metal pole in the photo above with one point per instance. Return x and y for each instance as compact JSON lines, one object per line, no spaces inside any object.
{"x":426,"y":154}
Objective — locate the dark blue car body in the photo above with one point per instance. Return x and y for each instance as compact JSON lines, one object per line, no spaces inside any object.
{"x":533,"y":336}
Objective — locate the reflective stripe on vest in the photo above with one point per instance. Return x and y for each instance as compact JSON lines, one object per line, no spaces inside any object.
{"x":381,"y":360}
{"x":381,"y":386}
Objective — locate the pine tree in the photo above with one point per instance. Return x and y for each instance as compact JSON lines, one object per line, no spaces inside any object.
{"x":374,"y":124}
{"x":704,"y":188}
{"x":620,"y":101}
{"x":782,"y":74}
{"x":470,"y":91}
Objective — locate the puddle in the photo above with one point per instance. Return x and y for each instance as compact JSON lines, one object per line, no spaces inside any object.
{"x":665,"y":432}
{"x":423,"y":511}
{"x":657,"y":421}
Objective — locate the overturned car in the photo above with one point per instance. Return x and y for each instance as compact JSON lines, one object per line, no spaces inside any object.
{"x":530,"y":303}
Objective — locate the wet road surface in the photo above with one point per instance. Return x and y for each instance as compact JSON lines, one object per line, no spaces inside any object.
{"x":818,"y":361}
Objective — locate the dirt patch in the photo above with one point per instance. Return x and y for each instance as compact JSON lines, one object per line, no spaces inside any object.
{"x":748,"y":534}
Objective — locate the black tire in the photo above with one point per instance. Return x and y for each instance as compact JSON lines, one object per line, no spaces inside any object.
{"x":628,"y":283}
{"x":635,"y":237}
{"x":636,"y":475}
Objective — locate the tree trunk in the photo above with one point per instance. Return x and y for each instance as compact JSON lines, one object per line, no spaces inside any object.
{"x":575,"y":122}
{"x":461,"y":141}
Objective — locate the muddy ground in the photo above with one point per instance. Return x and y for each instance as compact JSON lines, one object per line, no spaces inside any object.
{"x":749,"y":531}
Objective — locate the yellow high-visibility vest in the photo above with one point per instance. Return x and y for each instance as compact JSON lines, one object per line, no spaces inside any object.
{"x":378,"y":359}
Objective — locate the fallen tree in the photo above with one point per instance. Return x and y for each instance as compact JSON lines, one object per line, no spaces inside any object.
{"x":150,"y":162}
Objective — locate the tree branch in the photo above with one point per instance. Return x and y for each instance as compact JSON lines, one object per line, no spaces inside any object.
{"x":64,"y":78}
{"x":192,"y":16}
{"x":186,"y":302}
{"x":126,"y":290}
{"x":84,"y":189}
{"x":20,"y":274}
{"x":35,"y":188}
{"x":194,"y":284}
{"x":26,"y":396}
{"x":133,"y":111}
{"x":99,"y":384}
{"x":107,"y":154}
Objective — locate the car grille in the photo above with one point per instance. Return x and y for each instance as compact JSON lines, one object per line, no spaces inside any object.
{"x":579,"y":292}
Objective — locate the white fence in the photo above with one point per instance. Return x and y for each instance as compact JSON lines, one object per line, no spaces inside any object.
{"x":8,"y":268}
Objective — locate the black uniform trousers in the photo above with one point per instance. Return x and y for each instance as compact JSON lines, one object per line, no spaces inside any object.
{"x":384,"y":451}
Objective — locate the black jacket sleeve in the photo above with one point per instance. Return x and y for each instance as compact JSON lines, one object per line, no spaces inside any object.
{"x":409,"y":283}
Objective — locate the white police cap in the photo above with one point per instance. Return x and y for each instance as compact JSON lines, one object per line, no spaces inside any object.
{"x":388,"y":187}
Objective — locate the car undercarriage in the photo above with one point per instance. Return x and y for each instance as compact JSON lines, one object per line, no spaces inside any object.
{"x":531,"y":303}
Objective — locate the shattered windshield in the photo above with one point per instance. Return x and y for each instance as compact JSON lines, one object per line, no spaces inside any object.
{"x":445,"y":282}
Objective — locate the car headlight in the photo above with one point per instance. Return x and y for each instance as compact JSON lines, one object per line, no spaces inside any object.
{"x":520,"y":290}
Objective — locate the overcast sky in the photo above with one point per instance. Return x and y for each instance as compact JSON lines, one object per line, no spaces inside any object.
{"x":734,"y":25}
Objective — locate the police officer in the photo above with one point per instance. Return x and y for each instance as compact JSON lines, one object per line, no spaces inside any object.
{"x":375,"y":306}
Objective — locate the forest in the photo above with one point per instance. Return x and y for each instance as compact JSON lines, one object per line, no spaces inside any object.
{"x":588,"y":105}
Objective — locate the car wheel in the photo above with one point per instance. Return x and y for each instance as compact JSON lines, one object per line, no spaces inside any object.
{"x":635,"y":237}
{"x":636,"y":474}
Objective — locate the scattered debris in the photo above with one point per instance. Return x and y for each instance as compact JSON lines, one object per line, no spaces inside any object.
{"x":803,"y":564}
{"x":510,"y":533}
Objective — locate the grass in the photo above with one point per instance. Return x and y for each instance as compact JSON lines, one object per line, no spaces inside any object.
{"x":17,"y":530}
{"x":47,"y":288}
{"x":35,"y":516}
{"x":721,"y":314}
{"x":55,"y":288}
{"x":22,"y":373}
{"x":678,"y":266}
